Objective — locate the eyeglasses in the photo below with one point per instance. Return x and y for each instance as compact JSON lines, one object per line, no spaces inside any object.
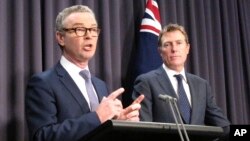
{"x":82,"y":31}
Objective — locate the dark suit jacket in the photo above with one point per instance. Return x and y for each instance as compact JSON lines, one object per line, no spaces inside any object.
{"x":204,"y":109}
{"x":56,"y":109}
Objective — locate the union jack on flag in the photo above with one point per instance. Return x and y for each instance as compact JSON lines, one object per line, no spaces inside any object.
{"x":147,"y":56}
{"x":151,"y":19}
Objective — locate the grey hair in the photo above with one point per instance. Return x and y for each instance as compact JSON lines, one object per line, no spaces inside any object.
{"x":67,"y":11}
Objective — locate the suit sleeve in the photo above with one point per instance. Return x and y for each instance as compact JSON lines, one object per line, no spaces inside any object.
{"x":141,"y":86}
{"x":214,"y":115}
{"x":42,"y":116}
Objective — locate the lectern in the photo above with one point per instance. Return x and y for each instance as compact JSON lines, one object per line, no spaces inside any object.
{"x":114,"y":130}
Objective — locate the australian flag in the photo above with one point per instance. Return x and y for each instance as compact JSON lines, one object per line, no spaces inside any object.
{"x":147,"y":56}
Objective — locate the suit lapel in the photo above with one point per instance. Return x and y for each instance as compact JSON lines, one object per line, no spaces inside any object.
{"x":68,"y":82}
{"x":194,"y":96}
{"x":100,"y":88}
{"x":165,"y":83}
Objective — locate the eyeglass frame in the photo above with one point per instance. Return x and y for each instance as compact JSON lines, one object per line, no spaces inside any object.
{"x":84,"y":30}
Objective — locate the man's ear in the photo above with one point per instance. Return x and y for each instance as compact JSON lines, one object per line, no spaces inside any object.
{"x":188,"y":48}
{"x":60,"y":38}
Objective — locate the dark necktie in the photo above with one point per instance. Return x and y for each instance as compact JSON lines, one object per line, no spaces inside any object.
{"x":183,"y":100}
{"x":90,"y":91}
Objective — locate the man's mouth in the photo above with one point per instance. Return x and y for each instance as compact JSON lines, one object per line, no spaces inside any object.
{"x":88,"y":46}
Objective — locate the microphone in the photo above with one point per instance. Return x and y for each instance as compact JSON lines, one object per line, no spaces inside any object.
{"x":165,"y":97}
{"x":172,"y":101}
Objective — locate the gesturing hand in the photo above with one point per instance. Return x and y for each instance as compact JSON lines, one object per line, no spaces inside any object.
{"x":110,"y":106}
{"x":131,"y":113}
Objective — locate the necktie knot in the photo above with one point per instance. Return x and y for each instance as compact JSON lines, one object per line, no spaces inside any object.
{"x":85,"y":74}
{"x":178,"y":77}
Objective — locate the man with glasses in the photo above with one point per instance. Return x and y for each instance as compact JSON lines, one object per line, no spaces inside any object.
{"x":66,"y":102}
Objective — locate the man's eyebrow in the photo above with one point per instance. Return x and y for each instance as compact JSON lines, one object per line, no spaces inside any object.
{"x":76,"y":24}
{"x":82,"y":24}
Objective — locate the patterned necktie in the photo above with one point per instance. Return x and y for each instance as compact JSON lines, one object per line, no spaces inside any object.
{"x":183,"y":103}
{"x":90,"y":91}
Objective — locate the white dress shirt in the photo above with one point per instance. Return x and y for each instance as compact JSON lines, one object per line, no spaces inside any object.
{"x":174,"y":82}
{"x":73,"y":71}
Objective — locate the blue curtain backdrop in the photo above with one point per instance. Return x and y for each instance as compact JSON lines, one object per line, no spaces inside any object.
{"x":219,"y":32}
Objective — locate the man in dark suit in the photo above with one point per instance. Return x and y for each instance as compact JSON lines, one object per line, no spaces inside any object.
{"x":173,"y":46}
{"x":58,"y":105}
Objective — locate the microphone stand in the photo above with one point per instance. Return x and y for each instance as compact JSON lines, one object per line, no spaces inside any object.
{"x":172,"y":101}
{"x":168,"y":100}
{"x":179,"y":115}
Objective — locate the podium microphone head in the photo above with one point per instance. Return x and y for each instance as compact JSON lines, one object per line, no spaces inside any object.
{"x":166,"y":97}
